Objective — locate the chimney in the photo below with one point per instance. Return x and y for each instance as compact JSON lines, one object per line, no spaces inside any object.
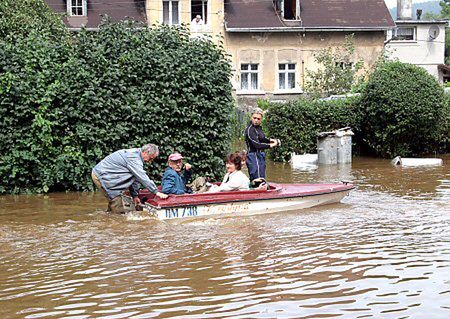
{"x":404,"y":10}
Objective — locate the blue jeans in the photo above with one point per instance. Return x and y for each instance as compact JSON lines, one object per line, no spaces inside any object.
{"x":256,"y":164}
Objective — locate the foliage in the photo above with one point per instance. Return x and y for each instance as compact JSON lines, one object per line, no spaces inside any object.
{"x":447,"y":139}
{"x":263,"y":104}
{"x":297,"y":123}
{"x":239,"y":122}
{"x":403,"y":111}
{"x":338,"y":70}
{"x":67,"y":104}
{"x":445,"y":14}
{"x":18,"y":18}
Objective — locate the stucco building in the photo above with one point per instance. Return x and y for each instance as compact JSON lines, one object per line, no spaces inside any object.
{"x":88,"y":13}
{"x":271,"y":42}
{"x":276,"y":41}
{"x":416,"y":41}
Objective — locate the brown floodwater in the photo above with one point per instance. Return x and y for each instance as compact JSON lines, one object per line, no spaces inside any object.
{"x":384,"y":252}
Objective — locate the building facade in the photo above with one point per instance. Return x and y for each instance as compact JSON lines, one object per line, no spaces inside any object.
{"x":271,"y":42}
{"x":419,"y":42}
{"x":88,"y":13}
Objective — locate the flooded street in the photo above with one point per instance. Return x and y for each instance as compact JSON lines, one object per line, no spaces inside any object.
{"x":384,"y":252}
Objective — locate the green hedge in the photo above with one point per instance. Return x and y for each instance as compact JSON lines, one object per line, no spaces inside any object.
{"x":68,"y":102}
{"x":20,"y":17}
{"x":404,"y":111}
{"x":297,"y":123}
{"x":447,"y":103}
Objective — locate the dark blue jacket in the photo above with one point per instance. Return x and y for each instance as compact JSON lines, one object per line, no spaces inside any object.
{"x":255,"y":139}
{"x":174,"y":183}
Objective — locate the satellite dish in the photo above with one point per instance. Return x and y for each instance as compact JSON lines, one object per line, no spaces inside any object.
{"x":433,"y":32}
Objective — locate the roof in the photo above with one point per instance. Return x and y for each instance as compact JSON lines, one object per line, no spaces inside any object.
{"x":414,"y":22}
{"x":260,"y":15}
{"x":116,"y":9}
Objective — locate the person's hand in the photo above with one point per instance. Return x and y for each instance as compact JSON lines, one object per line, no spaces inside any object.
{"x":161,"y":195}
{"x":137,"y":204}
{"x":187,"y":166}
{"x":263,"y":187}
{"x":274,"y":142}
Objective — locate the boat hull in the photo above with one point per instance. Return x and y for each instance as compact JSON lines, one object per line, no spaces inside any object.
{"x":245,"y":208}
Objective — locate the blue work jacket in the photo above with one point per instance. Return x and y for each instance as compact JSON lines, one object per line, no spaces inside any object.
{"x":175,"y":183}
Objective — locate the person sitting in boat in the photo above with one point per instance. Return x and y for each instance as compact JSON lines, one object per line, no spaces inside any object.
{"x":174,"y":179}
{"x":235,"y":179}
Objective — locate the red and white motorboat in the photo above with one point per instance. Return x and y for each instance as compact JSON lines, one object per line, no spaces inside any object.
{"x":279,"y":197}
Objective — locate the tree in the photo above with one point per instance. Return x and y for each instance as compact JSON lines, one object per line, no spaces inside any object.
{"x":19,"y":18}
{"x":403,"y":111}
{"x":68,"y":101}
{"x":445,"y":13}
{"x":338,"y":70}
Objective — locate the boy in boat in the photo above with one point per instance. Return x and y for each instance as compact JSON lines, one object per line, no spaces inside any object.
{"x":257,"y":143}
{"x":174,"y":179}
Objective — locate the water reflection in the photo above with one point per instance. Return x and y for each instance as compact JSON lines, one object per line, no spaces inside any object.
{"x":382,"y":253}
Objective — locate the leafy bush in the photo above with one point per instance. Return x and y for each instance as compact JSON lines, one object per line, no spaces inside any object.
{"x":239,"y":122}
{"x":447,"y":129}
{"x":337,"y":72}
{"x":18,"y":18}
{"x":404,"y":111}
{"x":297,"y":123}
{"x":68,"y":102}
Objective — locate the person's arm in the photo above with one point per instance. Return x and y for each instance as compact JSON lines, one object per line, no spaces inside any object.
{"x":263,"y":138}
{"x":134,"y":192}
{"x":137,"y":169}
{"x":134,"y":189}
{"x":186,"y":177}
{"x":253,"y":139}
{"x":168,"y":185}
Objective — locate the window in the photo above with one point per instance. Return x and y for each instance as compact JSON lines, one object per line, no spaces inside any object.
{"x":345,"y":65}
{"x":404,"y":34}
{"x":286,"y":76}
{"x":200,"y":8}
{"x":289,"y":9}
{"x":171,"y":13}
{"x":249,"y":77}
{"x":76,"y":7}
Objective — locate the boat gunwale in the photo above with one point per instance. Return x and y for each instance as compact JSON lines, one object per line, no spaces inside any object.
{"x":278,"y":188}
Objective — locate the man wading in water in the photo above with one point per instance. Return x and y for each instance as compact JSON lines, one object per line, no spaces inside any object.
{"x":257,"y":142}
{"x":124,"y":170}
